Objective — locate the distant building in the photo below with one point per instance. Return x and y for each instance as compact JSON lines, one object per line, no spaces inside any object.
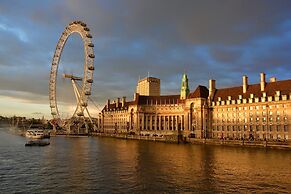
{"x":148,"y":86}
{"x":258,"y":111}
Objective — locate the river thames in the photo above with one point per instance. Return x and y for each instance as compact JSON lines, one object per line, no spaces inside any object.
{"x":107,"y":165}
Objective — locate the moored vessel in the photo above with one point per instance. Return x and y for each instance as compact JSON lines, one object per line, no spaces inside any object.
{"x":35,"y":133}
{"x":37,"y":143}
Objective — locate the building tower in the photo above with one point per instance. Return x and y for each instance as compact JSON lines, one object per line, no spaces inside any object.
{"x":184,"y":87}
{"x":148,"y":86}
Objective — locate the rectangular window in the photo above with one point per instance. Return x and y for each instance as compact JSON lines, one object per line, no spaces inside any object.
{"x":257,"y":128}
{"x":285,"y":128}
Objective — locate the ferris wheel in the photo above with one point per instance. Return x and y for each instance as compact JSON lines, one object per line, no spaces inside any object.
{"x":82,"y":91}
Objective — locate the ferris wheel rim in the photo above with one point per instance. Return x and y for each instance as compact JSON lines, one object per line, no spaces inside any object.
{"x":81,"y":29}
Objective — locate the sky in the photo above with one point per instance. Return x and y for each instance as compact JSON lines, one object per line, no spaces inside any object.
{"x":207,"y":39}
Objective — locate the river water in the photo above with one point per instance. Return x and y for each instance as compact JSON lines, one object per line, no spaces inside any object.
{"x":107,"y":165}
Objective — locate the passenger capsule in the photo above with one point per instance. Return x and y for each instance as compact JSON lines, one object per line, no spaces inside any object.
{"x":87,"y":93}
{"x":86,"y":29}
{"x":90,"y":80}
{"x":92,"y":56}
{"x":83,"y":24}
{"x":90,"y":45}
{"x":89,"y":35}
{"x":91,"y":68}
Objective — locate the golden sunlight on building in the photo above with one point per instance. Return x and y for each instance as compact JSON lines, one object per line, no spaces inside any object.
{"x":250,"y":111}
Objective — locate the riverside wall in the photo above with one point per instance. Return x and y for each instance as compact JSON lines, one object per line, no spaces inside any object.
{"x":176,"y":139}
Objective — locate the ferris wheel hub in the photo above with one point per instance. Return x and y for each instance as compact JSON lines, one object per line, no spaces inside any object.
{"x":72,"y":77}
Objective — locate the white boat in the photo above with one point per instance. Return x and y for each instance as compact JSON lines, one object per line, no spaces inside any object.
{"x":34,"y":133}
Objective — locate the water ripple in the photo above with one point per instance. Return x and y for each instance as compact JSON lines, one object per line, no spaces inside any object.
{"x":104,"y":165}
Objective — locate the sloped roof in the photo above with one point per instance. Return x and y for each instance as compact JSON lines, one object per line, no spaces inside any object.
{"x":283,"y":86}
{"x":144,"y":100}
{"x":200,"y":92}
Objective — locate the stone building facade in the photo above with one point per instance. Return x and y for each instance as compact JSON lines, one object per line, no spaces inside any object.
{"x":257,"y":111}
{"x":149,"y":86}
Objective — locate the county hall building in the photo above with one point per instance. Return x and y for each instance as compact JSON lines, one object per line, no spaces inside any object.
{"x":250,"y":111}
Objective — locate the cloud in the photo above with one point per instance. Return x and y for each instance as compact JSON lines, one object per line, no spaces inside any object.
{"x":206,"y":39}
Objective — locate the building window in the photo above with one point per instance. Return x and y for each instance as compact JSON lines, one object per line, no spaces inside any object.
{"x":245,"y":127}
{"x":257,"y":128}
{"x":278,"y":128}
{"x":285,"y":128}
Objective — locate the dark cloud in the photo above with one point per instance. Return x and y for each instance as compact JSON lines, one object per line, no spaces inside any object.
{"x":207,"y":39}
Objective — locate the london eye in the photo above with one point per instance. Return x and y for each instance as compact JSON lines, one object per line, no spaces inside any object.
{"x":81,"y":85}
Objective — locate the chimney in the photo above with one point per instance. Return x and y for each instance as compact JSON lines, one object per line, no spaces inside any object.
{"x":108,"y":103}
{"x":245,"y":83}
{"x":117,"y":102}
{"x":211,"y":88}
{"x":263,"y":82}
{"x":123,"y":101}
{"x":273,"y":79}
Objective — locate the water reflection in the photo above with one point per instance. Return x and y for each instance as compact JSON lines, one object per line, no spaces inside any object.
{"x":83,"y":165}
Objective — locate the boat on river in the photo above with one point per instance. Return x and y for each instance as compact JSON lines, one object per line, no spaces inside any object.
{"x":37,"y":143}
{"x":37,"y":134}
